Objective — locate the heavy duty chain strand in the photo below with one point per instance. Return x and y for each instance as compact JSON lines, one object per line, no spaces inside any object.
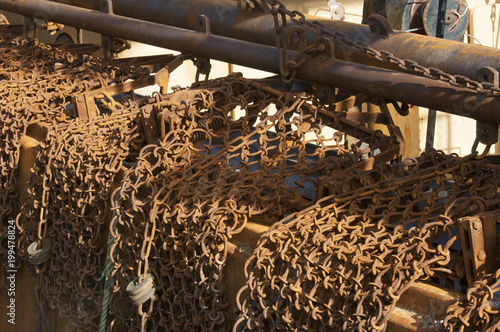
{"x":68,"y":196}
{"x":480,"y":308}
{"x":288,"y":67}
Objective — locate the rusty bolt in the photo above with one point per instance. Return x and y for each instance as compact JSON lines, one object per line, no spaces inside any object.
{"x":481,"y":256}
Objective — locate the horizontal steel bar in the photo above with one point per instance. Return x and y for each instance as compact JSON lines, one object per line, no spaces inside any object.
{"x":226,"y":20}
{"x":406,"y":88}
{"x":355,"y":77}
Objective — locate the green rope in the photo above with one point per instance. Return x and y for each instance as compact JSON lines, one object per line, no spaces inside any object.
{"x":106,"y":273}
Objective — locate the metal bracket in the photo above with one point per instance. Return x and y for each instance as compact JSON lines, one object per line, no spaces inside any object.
{"x":403,"y":110}
{"x":329,"y":47}
{"x":486,"y":133}
{"x":202,"y":64}
{"x":253,"y":5}
{"x":162,"y":79}
{"x":148,"y":116}
{"x":29,"y":27}
{"x":296,"y":39}
{"x":85,"y":106}
{"x":489,"y":75}
{"x":203,"y":67}
{"x":491,"y":239}
{"x":203,"y":24}
{"x":107,"y":6}
{"x":473,"y":247}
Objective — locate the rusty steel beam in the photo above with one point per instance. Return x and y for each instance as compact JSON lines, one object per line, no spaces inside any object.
{"x":391,"y":85}
{"x":226,"y":20}
{"x":397,"y":86}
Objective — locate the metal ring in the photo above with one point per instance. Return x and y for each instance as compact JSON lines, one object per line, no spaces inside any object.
{"x":140,"y":292}
{"x":37,"y":256}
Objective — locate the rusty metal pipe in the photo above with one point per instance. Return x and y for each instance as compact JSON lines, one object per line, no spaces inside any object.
{"x":226,"y":20}
{"x":402,"y":87}
{"x":334,"y":73}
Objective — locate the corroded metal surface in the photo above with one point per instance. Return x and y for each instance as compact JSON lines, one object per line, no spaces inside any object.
{"x":67,"y":203}
{"x":37,"y":83}
{"x":180,"y":187}
{"x":343,"y":248}
{"x":314,"y":61}
{"x":207,"y":177}
{"x":257,"y":27}
{"x":344,"y":263}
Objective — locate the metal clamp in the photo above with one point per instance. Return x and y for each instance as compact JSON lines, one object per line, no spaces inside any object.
{"x":473,"y":247}
{"x":486,"y":133}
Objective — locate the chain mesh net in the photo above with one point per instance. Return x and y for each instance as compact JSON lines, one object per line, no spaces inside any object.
{"x":344,"y":263}
{"x":209,"y":175}
{"x":346,"y":239}
{"x":36,"y":84}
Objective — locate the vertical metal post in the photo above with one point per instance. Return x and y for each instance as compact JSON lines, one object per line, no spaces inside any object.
{"x":230,"y":70}
{"x":106,"y":41}
{"x":431,"y":129}
{"x":432,"y":117}
{"x":79,"y":34}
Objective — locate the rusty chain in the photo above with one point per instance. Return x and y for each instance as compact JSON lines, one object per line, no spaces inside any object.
{"x":344,"y":245}
{"x":37,"y":83}
{"x":480,"y":308}
{"x":68,"y":198}
{"x":207,"y":177}
{"x":210,"y":174}
{"x":344,"y":262}
{"x":288,"y":67}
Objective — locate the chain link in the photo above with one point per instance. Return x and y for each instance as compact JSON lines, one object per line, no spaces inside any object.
{"x":72,"y":180}
{"x":208,"y":176}
{"x":480,"y":308}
